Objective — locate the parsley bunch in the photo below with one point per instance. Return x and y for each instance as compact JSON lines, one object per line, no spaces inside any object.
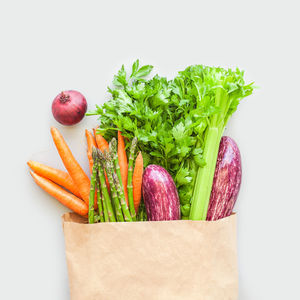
{"x":172,"y":120}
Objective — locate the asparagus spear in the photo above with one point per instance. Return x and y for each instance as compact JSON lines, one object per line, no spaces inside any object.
{"x":97,"y":218}
{"x":92,"y":188}
{"x":105,"y":212}
{"x":109,"y":171}
{"x":142,"y":215}
{"x":113,"y":151}
{"x":129,"y":183}
{"x":121,"y":196}
{"x":118,"y":179}
{"x":105,"y":193}
{"x":96,"y":165}
{"x":100,"y":206}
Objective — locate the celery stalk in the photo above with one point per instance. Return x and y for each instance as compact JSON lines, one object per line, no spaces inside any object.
{"x":205,"y":175}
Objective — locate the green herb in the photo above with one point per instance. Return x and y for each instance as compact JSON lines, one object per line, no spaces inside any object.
{"x":178,"y":123}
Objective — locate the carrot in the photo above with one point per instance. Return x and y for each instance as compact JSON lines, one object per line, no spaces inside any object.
{"x":101,"y":141}
{"x":123,"y":163}
{"x":80,"y":179}
{"x":137,"y":178}
{"x":58,"y":176}
{"x":64,"y":197}
{"x":90,"y":144}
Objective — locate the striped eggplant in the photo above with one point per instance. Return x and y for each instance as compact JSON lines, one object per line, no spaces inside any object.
{"x":160,"y":194}
{"x":227,"y":180}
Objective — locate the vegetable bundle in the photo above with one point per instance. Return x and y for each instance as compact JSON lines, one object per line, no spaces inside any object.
{"x":159,"y":154}
{"x":179,"y":123}
{"x":104,"y":198}
{"x":112,"y":204}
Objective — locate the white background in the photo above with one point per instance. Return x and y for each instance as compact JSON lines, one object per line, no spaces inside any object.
{"x":49,"y":46}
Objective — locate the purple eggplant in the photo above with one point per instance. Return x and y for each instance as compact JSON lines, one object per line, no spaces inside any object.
{"x":227,"y":180}
{"x":160,"y":195}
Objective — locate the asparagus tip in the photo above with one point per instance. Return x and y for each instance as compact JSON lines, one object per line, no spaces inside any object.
{"x":116,"y":179}
{"x":113,"y":145}
{"x":133,"y":144}
{"x":94,"y":153}
{"x":100,"y":154}
{"x":108,"y":160}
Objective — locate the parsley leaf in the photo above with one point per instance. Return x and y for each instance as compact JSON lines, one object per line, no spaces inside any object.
{"x":120,"y":79}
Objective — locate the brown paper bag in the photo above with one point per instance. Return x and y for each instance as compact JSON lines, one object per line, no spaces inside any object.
{"x":151,"y":260}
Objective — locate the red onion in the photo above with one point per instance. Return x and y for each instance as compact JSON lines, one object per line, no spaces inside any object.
{"x":69,"y":107}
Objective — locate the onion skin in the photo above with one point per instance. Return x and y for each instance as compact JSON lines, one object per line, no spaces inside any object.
{"x":160,"y":194}
{"x":69,"y":107}
{"x":227,"y":180}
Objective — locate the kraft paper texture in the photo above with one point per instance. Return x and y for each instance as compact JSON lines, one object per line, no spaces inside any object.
{"x":170,"y":260}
